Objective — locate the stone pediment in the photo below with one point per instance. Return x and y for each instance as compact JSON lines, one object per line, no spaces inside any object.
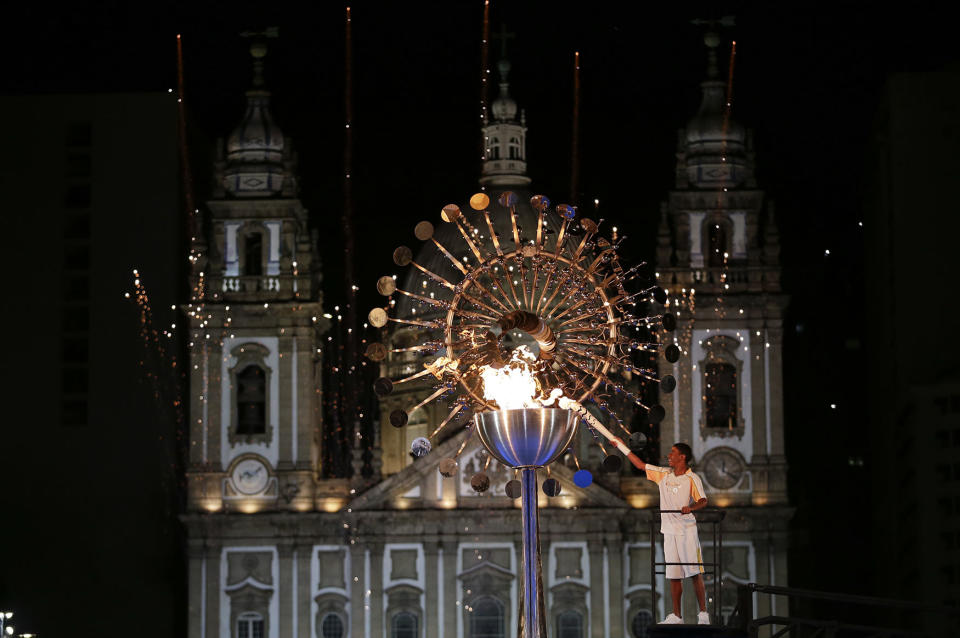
{"x":420,"y":485}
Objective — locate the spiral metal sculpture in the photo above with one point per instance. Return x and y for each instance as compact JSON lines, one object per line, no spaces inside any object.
{"x":565,"y":288}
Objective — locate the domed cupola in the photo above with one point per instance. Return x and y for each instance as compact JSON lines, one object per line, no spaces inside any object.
{"x":715,"y":146}
{"x":258,"y":159}
{"x":505,"y":159}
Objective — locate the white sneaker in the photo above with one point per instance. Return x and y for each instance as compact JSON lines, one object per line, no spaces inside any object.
{"x":672,"y":619}
{"x":703,"y":618}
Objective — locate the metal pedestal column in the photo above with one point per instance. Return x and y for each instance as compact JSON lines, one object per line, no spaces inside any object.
{"x":534,"y":622}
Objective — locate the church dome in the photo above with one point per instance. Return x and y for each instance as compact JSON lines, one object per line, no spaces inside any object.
{"x":257,"y":138}
{"x":257,"y":153}
{"x":707,"y":126}
{"x":714,"y":146}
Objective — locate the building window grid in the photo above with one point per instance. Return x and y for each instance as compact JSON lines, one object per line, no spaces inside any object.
{"x":640,"y":627}
{"x":250,"y":625}
{"x":487,"y":619}
{"x":331,"y":626}
{"x":570,"y":625}
{"x":404,"y":625}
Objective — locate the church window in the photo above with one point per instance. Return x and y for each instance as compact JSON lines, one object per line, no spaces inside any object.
{"x":570,"y":625}
{"x":250,"y":625}
{"x":721,"y":371}
{"x":251,"y":401}
{"x":404,"y":625}
{"x":640,"y":627}
{"x":487,"y":619}
{"x":250,"y":395}
{"x":716,"y":245}
{"x":253,"y":254}
{"x":721,"y":395}
{"x":331,"y":626}
{"x":514,"y":148}
{"x":494,"y":148}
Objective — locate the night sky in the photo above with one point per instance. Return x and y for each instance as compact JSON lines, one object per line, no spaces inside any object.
{"x":808,"y":80}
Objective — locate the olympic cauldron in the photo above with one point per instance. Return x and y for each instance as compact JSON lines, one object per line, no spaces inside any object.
{"x":556,"y":278}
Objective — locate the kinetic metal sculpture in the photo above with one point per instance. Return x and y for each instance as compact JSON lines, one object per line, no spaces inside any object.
{"x":569,"y":294}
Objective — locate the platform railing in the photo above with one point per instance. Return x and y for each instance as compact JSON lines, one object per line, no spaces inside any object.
{"x":710,"y":515}
{"x":742,"y":616}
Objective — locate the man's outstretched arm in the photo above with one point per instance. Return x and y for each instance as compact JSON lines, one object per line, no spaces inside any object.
{"x":699,"y":505}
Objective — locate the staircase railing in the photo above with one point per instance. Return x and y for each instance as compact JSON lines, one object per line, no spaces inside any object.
{"x":742,"y":616}
{"x":711,"y":515}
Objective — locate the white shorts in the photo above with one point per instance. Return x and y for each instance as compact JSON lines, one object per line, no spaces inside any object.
{"x":682,"y":548}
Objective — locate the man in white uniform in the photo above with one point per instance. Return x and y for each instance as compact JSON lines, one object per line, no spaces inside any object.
{"x":681,"y":490}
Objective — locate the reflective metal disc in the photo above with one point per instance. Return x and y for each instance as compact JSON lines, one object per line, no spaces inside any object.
{"x":398,"y":418}
{"x":386,"y":286}
{"x":383,"y":386}
{"x":660,"y":295}
{"x":479,"y":201}
{"x":480,"y":482}
{"x":669,"y":322}
{"x":513,"y":489}
{"x":668,"y":383}
{"x":582,"y":478}
{"x":450,"y":213}
{"x":423,"y":231}
{"x":672,"y":353}
{"x":376,"y":351}
{"x":448,"y":467}
{"x":589,"y":225}
{"x":508,"y":199}
{"x":377,"y":317}
{"x":637,"y":440}
{"x":611,"y":463}
{"x":420,"y":447}
{"x":402,"y":256}
{"x":551,"y":487}
{"x":540,"y":203}
{"x":567,"y":211}
{"x":656,"y":414}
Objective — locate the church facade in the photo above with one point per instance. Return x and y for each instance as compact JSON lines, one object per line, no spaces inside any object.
{"x":278,"y":551}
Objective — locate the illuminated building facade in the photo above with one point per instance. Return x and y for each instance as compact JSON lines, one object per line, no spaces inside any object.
{"x":278,"y":551}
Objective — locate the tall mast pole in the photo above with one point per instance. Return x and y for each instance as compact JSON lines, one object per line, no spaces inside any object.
{"x":484,"y":77}
{"x":350,"y":368}
{"x":575,"y":137}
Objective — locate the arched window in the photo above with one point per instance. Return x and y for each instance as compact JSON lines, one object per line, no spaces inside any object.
{"x":494,"y":148}
{"x":716,"y":244}
{"x":570,"y":625}
{"x":514,"y":148}
{"x":404,"y":625}
{"x":721,"y":395}
{"x":253,"y":254}
{"x":249,"y":625}
{"x":331,"y":626}
{"x":252,"y":400}
{"x":486,"y":620}
{"x":640,"y":627}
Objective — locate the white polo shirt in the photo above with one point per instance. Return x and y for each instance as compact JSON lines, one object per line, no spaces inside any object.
{"x":676,"y":492}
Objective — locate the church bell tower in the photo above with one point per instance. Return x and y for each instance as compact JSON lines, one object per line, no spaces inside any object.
{"x":255,"y":326}
{"x":718,"y":261}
